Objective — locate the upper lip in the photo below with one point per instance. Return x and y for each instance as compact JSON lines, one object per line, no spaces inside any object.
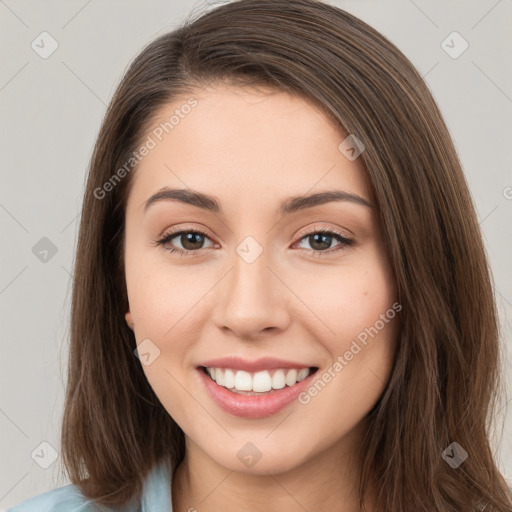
{"x":264,"y":363}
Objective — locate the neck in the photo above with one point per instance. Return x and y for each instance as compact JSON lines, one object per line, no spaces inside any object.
{"x":326,"y":481}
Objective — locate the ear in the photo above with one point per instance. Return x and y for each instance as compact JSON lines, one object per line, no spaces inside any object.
{"x":128,"y":317}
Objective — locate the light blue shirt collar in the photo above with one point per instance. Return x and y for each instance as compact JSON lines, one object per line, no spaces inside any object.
{"x":155,"y":497}
{"x":156,"y":494}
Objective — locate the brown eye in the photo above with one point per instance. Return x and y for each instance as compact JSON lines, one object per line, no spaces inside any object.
{"x":191,"y":241}
{"x":321,"y":241}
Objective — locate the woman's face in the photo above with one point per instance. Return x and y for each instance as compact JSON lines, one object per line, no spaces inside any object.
{"x":258,"y":280}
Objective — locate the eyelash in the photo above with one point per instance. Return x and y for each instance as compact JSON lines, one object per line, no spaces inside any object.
{"x":344,"y":241}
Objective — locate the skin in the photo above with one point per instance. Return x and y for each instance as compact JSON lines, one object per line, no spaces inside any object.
{"x":251,"y":149}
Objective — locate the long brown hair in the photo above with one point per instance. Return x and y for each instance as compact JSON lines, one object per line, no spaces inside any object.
{"x":445,"y":381}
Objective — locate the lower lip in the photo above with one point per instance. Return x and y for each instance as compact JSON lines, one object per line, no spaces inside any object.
{"x":253,"y":406}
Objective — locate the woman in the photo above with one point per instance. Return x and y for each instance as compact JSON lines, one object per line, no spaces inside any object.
{"x":281,"y":298}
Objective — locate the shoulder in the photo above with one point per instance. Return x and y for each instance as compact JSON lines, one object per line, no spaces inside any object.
{"x":62,"y":499}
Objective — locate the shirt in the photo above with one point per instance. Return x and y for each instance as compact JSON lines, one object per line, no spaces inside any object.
{"x":156,"y":497}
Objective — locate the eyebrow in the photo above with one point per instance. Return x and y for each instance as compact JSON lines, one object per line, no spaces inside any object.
{"x":290,"y":205}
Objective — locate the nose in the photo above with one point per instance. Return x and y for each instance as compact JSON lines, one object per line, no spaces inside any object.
{"x":253,"y":301}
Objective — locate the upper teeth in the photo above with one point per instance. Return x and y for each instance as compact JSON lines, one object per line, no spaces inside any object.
{"x":258,"y":381}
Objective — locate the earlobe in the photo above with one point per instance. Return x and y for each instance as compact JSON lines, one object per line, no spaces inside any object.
{"x":128,"y":317}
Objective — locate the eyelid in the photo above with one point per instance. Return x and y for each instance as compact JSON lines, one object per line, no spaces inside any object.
{"x":316,"y":228}
{"x":167,"y":235}
{"x":178,"y":229}
{"x":204,"y":231}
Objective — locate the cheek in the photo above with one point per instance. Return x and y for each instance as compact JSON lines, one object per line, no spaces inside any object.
{"x":163,"y":296}
{"x":348,"y":299}
{"x":362,"y":354}
{"x":358,"y":304}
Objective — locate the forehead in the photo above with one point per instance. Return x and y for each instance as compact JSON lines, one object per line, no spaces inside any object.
{"x":245,"y":143}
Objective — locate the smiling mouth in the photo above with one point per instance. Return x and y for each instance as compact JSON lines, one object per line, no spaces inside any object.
{"x":257,"y":383}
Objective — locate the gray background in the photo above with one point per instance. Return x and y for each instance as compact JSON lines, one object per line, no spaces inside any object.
{"x":51,"y":113}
